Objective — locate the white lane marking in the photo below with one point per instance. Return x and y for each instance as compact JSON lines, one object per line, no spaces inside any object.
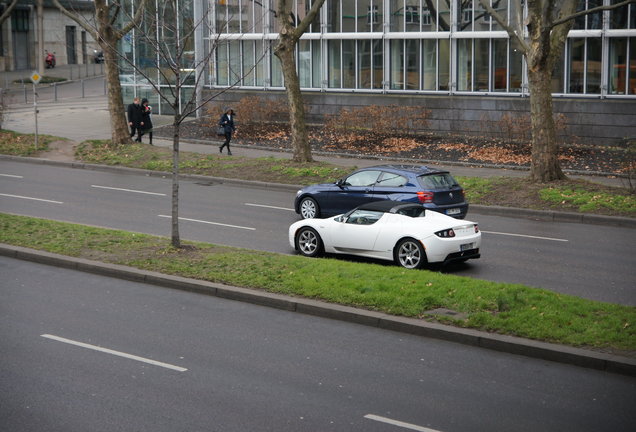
{"x":128,"y":190}
{"x":527,"y":236}
{"x":113,"y":352}
{"x":31,"y":198}
{"x":267,"y":206}
{"x":10,"y":175}
{"x":399,"y":423}
{"x":210,"y":223}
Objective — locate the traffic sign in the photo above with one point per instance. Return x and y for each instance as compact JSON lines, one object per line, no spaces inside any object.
{"x":35,"y":78}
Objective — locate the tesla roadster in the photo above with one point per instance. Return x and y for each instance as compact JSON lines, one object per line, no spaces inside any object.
{"x":408,"y":234}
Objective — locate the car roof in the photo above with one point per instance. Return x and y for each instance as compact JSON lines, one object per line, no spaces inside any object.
{"x":414,"y":169}
{"x":387,"y":206}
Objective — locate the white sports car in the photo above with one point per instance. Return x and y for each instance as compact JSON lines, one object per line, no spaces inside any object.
{"x":405,"y":233}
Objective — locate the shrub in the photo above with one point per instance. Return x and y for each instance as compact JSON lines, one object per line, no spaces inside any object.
{"x":518,"y":127}
{"x":251,"y":111}
{"x":387,"y":120}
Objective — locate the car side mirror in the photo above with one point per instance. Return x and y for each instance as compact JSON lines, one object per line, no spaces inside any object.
{"x":340,"y":219}
{"x":340,"y":183}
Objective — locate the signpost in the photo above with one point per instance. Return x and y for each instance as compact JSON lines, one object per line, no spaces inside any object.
{"x":35,"y":79}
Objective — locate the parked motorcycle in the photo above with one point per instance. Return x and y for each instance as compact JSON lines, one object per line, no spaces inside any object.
{"x":98,"y":56}
{"x":49,"y":59}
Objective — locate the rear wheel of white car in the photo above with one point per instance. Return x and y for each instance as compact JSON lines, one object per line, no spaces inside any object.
{"x":308,"y":242}
{"x":309,"y":208}
{"x":410,"y":254}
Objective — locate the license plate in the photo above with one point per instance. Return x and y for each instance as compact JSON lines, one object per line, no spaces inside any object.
{"x":466,"y":247}
{"x":453,"y":211}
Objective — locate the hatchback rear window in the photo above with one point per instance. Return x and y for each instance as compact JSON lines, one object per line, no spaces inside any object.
{"x":438,"y":181}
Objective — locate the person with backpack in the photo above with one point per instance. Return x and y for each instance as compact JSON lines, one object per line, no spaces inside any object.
{"x":227,"y":123}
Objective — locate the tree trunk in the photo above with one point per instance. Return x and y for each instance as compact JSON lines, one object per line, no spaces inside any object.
{"x":300,"y":141}
{"x":545,"y":152}
{"x":120,"y":133}
{"x":176,"y":238}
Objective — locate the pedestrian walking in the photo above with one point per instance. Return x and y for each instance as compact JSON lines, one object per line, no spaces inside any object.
{"x":227,"y":123}
{"x":135,"y":119}
{"x":146,"y":119}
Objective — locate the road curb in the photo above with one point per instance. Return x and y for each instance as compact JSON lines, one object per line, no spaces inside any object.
{"x":507,"y":344}
{"x":553,"y":216}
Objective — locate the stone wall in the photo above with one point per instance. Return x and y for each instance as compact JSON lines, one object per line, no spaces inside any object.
{"x":588,"y":121}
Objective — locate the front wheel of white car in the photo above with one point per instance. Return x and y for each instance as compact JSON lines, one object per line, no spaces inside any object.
{"x":410,"y":254}
{"x":308,"y":242}
{"x":309,"y":208}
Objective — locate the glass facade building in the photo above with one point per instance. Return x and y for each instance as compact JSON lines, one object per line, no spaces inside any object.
{"x":418,"y":47}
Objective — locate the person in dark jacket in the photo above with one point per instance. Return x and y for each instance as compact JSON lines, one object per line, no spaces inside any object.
{"x":135,"y":120}
{"x":146,"y":119}
{"x":227,"y":122}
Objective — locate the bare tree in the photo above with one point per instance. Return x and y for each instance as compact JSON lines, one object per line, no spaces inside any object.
{"x":290,"y":32}
{"x":168,"y":33}
{"x":548,"y":23}
{"x":106,"y":29}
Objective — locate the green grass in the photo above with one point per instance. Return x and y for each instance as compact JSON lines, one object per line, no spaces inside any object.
{"x":475,"y":188}
{"x":497,"y":307}
{"x":589,"y":201}
{"x":15,"y":144}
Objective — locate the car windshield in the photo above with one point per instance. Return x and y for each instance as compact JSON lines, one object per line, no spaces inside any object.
{"x":438,"y":181}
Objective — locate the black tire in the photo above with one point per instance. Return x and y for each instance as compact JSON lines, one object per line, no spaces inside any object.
{"x":309,"y":208}
{"x":410,"y":254}
{"x":308,"y":242}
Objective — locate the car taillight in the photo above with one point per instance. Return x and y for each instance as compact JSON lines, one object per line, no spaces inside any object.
{"x":445,"y":233}
{"x":425,"y":197}
{"x":476,"y":228}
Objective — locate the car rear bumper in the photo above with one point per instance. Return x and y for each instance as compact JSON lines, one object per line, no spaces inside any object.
{"x":462,"y":256}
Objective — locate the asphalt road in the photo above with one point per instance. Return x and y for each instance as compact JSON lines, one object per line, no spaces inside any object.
{"x":231,"y":366}
{"x":591,"y":261}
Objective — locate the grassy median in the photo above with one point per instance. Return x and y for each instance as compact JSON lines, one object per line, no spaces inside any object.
{"x":496,"y":307}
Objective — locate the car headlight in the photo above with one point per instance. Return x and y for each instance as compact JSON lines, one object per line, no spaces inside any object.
{"x":299,"y":191}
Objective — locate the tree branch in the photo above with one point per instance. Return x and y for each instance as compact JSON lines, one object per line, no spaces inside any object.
{"x":134,"y":20}
{"x":115,"y":14}
{"x":516,"y":34}
{"x":304,"y":24}
{"x":591,"y":11}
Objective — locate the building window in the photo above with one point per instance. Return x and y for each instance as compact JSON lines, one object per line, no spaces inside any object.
{"x":623,"y":17}
{"x":449,"y":61}
{"x":373,"y":16}
{"x":411,"y":16}
{"x":426,"y":17}
{"x":622,"y":66}
{"x":20,"y":20}
{"x":584,"y":65}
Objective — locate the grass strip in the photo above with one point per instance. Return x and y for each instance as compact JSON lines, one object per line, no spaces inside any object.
{"x":510,"y":309}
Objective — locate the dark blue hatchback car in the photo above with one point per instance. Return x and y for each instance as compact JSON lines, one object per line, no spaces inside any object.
{"x":434,"y":189}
